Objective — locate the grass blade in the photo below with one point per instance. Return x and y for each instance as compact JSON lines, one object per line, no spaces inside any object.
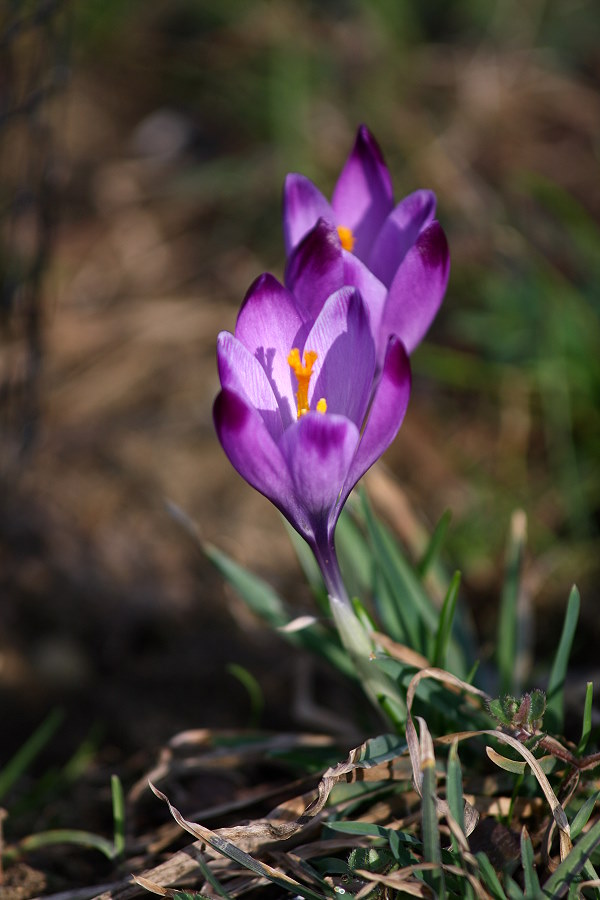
{"x":435,"y":544}
{"x":559,"y":882}
{"x":556,"y":683}
{"x":411,"y":601}
{"x":444,"y":629}
{"x":308,"y":564}
{"x":25,"y":755}
{"x":583,"y":815}
{"x":245,"y":860}
{"x":586,"y":728}
{"x":118,"y":809}
{"x":430,"y":826}
{"x":68,"y":836}
{"x":454,"y":787}
{"x":532,"y":882}
{"x":253,"y":689}
{"x":268,"y":605}
{"x":508,"y":622}
{"x":489,"y":877}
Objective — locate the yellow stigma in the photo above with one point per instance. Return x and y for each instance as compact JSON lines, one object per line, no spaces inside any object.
{"x":303,"y":373}
{"x":346,"y":237}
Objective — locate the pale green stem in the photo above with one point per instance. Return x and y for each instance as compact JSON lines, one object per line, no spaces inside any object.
{"x":353,"y":635}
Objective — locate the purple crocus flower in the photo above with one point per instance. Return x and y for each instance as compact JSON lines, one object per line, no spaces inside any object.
{"x":401,"y":245}
{"x":319,"y":266}
{"x":300,"y":414}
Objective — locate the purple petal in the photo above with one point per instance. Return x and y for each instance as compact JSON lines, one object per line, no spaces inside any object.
{"x":241,"y":372}
{"x":399,"y":232}
{"x":254,"y":453}
{"x":372,"y":291}
{"x":418,"y":288}
{"x":363,"y":196}
{"x":318,"y":452}
{"x":303,"y":205}
{"x":345,"y":365}
{"x":269,"y":325}
{"x":386,"y":414}
{"x":316,"y":269}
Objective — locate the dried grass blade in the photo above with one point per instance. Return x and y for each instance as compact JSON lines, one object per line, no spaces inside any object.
{"x":233,"y":852}
{"x":399,"y":880}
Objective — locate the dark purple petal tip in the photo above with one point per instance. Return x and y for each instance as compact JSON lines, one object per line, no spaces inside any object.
{"x":230,"y":408}
{"x":433,"y":248}
{"x":320,"y":249}
{"x":366,"y":144}
{"x":264,"y":282}
{"x":397,"y":362}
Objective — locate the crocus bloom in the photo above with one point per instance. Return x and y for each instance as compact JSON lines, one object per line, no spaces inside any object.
{"x":320,"y":266}
{"x":300,"y":414}
{"x":401,"y":245}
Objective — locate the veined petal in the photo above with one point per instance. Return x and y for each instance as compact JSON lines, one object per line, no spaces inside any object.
{"x":318,"y":450}
{"x":241,"y":372}
{"x":303,"y":205}
{"x":386,"y":414}
{"x":269,"y":325}
{"x":316,"y":268}
{"x":363,"y":196}
{"x":418,"y":288}
{"x":372,"y":291}
{"x":345,"y":365}
{"x":253,"y":452}
{"x":399,"y":232}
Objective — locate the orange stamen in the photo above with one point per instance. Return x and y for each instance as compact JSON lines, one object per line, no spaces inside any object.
{"x":346,"y":237}
{"x":303,"y":373}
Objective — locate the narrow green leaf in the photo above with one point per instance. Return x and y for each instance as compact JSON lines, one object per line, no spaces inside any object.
{"x":257,"y":593}
{"x":508,"y":621}
{"x":411,"y":603}
{"x":532,"y":882}
{"x":355,"y":555}
{"x":513,"y":891}
{"x":266,"y":603}
{"x":211,"y":878}
{"x":369,"y":829}
{"x":254,"y":690}
{"x":514,"y":766}
{"x":586,"y":728}
{"x":432,"y":851}
{"x":454,"y":787}
{"x":68,"y":836}
{"x":489,"y":877}
{"x":583,"y":815}
{"x":569,"y":869}
{"x":444,"y":629}
{"x":435,"y":544}
{"x":556,"y":682}
{"x":309,"y":565}
{"x":118,"y":810}
{"x":25,"y":755}
{"x":382,"y":748}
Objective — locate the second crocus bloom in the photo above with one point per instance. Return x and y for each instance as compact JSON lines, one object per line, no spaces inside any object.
{"x":362,"y":209}
{"x":400,"y":246}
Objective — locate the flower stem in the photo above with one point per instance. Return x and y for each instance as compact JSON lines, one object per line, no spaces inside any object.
{"x":378,"y":686}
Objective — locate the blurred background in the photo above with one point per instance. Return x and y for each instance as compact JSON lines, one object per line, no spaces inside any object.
{"x":143,"y":147}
